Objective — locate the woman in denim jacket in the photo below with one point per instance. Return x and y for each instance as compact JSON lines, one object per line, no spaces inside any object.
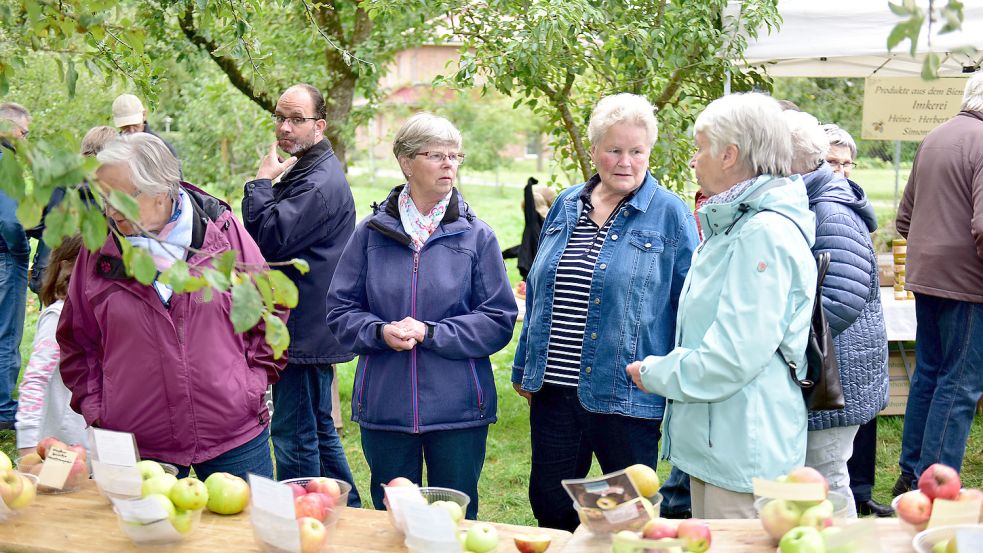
{"x":601,"y":293}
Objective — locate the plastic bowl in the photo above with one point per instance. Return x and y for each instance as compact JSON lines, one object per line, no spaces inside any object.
{"x":597,"y":522}
{"x":841,"y":510}
{"x":9,"y":512}
{"x":340,"y":502}
{"x":924,"y":540}
{"x":72,"y":484}
{"x":168,"y":468}
{"x":161,"y":532}
{"x":431,"y":494}
{"x":269,"y":547}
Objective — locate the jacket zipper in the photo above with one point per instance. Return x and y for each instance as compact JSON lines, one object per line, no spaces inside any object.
{"x":668,"y":417}
{"x":709,"y":425}
{"x":481,"y":397}
{"x":416,"y":399}
{"x":361,"y":386}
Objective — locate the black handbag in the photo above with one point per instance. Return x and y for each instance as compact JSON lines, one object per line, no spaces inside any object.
{"x":821,"y":387}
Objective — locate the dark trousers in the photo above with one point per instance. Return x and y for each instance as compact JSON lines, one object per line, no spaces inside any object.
{"x":676,"y":502}
{"x":565,"y":436}
{"x":454,"y":460}
{"x":863,"y":464}
{"x":252,"y":457}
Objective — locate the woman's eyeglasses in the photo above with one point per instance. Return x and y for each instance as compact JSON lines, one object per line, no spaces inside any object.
{"x":439,"y":157}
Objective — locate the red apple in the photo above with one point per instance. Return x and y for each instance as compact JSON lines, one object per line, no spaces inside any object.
{"x":325,"y":499}
{"x":313,"y":535}
{"x":532,"y":543}
{"x":658,"y":528}
{"x":400,"y":481}
{"x":79,"y":450}
{"x":915,"y":507}
{"x":939,"y":482}
{"x":327,"y":486}
{"x":695,"y":533}
{"x":46,"y":444}
{"x":808,"y":475}
{"x":297,"y":489}
{"x":309,"y":506}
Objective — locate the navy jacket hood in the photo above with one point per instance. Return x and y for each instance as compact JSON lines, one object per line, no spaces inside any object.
{"x":824,"y":185}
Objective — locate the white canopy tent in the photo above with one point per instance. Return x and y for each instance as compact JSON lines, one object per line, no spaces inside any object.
{"x":848,"y":38}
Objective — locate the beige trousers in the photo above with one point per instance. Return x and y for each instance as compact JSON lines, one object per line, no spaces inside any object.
{"x":709,"y":501}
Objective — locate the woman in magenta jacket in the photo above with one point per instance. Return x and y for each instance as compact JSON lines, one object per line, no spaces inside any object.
{"x":167,"y":366}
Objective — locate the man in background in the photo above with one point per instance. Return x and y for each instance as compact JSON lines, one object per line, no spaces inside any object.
{"x":130,"y":116}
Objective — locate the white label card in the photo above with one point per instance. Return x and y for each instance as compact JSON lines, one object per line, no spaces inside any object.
{"x":969,"y":540}
{"x":272,"y":513}
{"x":57,"y":464}
{"x":792,"y":491}
{"x":946,"y":512}
{"x":143,"y":511}
{"x":119,"y":480}
{"x":114,"y":448}
{"x":271,"y":496}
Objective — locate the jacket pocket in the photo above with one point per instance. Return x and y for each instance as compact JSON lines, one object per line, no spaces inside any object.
{"x":360,"y":397}
{"x":647,"y":241}
{"x":479,"y":393}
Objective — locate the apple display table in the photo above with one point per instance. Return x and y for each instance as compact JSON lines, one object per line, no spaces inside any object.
{"x":84,"y":522}
{"x":743,"y":536}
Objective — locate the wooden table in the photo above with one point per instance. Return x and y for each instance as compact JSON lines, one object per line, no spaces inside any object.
{"x":743,"y":536}
{"x":84,"y":522}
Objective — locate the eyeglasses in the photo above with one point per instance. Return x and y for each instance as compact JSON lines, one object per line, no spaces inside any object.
{"x":439,"y":157}
{"x":844,"y":164}
{"x":294,"y":121}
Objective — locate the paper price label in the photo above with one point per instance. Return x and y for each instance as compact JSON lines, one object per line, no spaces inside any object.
{"x":144,"y":511}
{"x":272,"y":513}
{"x":271,"y":496}
{"x":114,"y":448}
{"x":56,"y":468}
{"x":949,"y":513}
{"x":791,"y":491}
{"x":968,"y":540}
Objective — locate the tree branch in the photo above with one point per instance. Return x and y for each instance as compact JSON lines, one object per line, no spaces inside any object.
{"x":675,"y":80}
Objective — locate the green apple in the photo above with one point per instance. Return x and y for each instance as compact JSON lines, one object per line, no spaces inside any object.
{"x":158,"y":484}
{"x":183,"y":520}
{"x":626,"y":541}
{"x":5,"y":463}
{"x":190,"y":494}
{"x":150,"y":469}
{"x":455,"y":510}
{"x":819,"y":516}
{"x":940,"y":547}
{"x":802,"y":539}
{"x":227,"y":494}
{"x":11,"y":485}
{"x":482,"y":538}
{"x":313,"y":535}
{"x":165,"y":503}
{"x":28,"y":493}
{"x":644,"y":478}
{"x":778,"y":516}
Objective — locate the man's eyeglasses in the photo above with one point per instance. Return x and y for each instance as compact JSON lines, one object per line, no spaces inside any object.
{"x":294,"y":121}
{"x":439,"y":157}
{"x":844,"y":164}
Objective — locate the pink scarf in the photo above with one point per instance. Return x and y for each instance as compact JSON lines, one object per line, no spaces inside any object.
{"x":417,"y":225}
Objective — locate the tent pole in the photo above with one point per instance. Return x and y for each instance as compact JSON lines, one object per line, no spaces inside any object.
{"x":727,"y":81}
{"x":897,"y":171}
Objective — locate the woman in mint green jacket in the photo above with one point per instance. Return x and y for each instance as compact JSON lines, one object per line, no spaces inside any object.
{"x":733,"y":411}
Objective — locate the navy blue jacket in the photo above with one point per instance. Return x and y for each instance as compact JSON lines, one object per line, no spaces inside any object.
{"x":457,"y":285}
{"x":309,"y":214}
{"x":13,"y":239}
{"x":851,"y":296}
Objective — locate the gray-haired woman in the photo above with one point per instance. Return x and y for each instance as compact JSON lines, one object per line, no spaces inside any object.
{"x":167,"y":366}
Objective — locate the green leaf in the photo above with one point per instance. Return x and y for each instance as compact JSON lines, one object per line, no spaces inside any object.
{"x":284,"y":289}
{"x":277,"y":335}
{"x":225,"y":264}
{"x":94,"y":229}
{"x":139,"y":264}
{"x":29,"y":211}
{"x":897,"y":34}
{"x":898,"y":9}
{"x":217,"y":280}
{"x":71,"y":78}
{"x":930,"y":67}
{"x":177,"y":276}
{"x":265,"y":290}
{"x":11,"y":176}
{"x":301,"y":265}
{"x":247,"y":306}
{"x":125,"y":204}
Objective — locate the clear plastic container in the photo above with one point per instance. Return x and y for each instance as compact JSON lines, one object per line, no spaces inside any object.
{"x":431,"y":494}
{"x":340,"y":502}
{"x":926,"y":539}
{"x":109,"y":495}
{"x":611,"y":521}
{"x":75,"y":478}
{"x":841,"y":510}
{"x":271,"y":545}
{"x":431,"y":531}
{"x":6,"y":511}
{"x":161,"y":532}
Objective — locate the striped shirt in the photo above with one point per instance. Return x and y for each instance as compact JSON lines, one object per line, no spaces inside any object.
{"x":572,"y":296}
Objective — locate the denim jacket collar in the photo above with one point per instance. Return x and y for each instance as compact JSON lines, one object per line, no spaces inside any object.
{"x":640,"y":200}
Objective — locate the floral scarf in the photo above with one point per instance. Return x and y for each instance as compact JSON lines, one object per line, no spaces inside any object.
{"x":731,"y":193}
{"x":174,"y":238}
{"x":417,"y":225}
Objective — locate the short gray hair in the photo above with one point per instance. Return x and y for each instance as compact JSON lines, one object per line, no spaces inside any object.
{"x":422,"y":130}
{"x":153,"y":168}
{"x":622,"y":108}
{"x":753,"y":122}
{"x":96,"y":139}
{"x":14,"y":112}
{"x":973,"y":95}
{"x":839,"y":137}
{"x":809,"y":143}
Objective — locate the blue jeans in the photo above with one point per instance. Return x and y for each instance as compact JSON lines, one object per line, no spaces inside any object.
{"x":947,"y":383}
{"x":454,"y":459}
{"x":13,"y":295}
{"x":676,"y":502}
{"x":305,"y":442}
{"x":252,"y":457}
{"x":565,"y":436}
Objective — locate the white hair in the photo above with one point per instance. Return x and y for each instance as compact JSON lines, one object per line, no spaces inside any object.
{"x":153,"y":168}
{"x":14,"y":112}
{"x":973,"y":95}
{"x":839,"y":137}
{"x":753,"y":122}
{"x":622,"y":108}
{"x":422,"y":130}
{"x":809,"y":143}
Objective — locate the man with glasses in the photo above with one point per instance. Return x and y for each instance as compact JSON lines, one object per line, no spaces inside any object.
{"x":302,"y":207}
{"x":14,"y":253}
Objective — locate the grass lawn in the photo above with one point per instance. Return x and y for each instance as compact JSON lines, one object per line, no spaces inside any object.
{"x":503,"y":487}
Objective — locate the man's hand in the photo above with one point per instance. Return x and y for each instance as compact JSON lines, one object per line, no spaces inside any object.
{"x":518,"y":389}
{"x":635,"y":372}
{"x":271,"y":166}
{"x":413,"y":328}
{"x":397,"y":338}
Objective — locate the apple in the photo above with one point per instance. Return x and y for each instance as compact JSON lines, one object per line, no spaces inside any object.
{"x":78,"y":473}
{"x":482,"y":538}
{"x":164,"y":502}
{"x":150,"y":469}
{"x":28,"y":493}
{"x":818,"y":516}
{"x":297,"y":489}
{"x":5,"y":463}
{"x":914,"y":507}
{"x":831,"y":531}
{"x":941,"y":546}
{"x":327,"y":486}
{"x":802,"y":539}
{"x":326,"y":500}
{"x":45,"y":445}
{"x":778,"y":516}
{"x":189,"y":494}
{"x":658,"y":528}
{"x":400,"y":481}
{"x":158,"y":485}
{"x":939,"y":482}
{"x":624,"y":542}
{"x":455,"y":510}
{"x":532,"y":543}
{"x":808,"y":475}
{"x":644,"y":478}
{"x":667,"y":549}
{"x":313,"y":535}
{"x":695,"y":533}
{"x":79,"y":450}
{"x":11,"y":485}
{"x":30,"y":463}
{"x":309,"y":506}
{"x":227,"y":494}
{"x":183,"y":520}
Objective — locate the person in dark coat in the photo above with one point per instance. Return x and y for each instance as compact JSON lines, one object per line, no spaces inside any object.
{"x":536,"y":202}
{"x":302,"y":207}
